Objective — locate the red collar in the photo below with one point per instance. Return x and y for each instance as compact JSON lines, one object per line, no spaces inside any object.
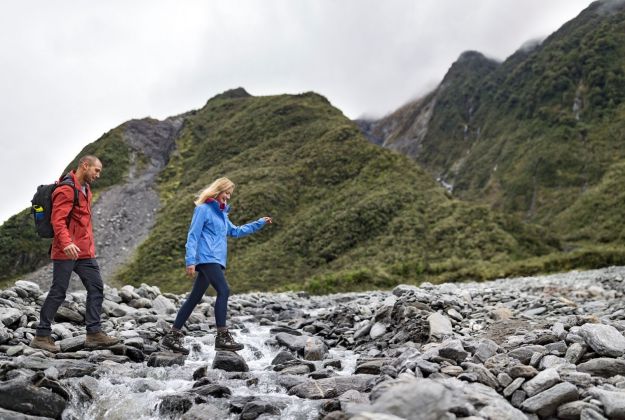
{"x":221,"y":205}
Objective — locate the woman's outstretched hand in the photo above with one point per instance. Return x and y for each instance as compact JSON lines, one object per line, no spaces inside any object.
{"x":190,"y":270}
{"x":267,"y":219}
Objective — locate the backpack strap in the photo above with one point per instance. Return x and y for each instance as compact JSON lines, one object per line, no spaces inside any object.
{"x":67,"y":180}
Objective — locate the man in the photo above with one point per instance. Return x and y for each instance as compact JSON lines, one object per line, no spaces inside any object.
{"x":73,"y":249}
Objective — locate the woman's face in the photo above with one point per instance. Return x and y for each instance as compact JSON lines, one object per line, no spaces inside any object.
{"x":224,"y":196}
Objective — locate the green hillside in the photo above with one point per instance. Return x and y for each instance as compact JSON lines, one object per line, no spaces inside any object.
{"x":347,"y":215}
{"x":540,"y":135}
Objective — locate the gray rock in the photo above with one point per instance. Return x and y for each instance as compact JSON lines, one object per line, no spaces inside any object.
{"x":524,"y":353}
{"x":292,"y":342}
{"x":522,"y":371}
{"x":332,"y":387}
{"x":72,"y":344}
{"x":230,"y":362}
{"x":547,"y":402}
{"x":113,"y":309}
{"x":510,"y":389}
{"x":440,"y":326}
{"x":65,"y":314}
{"x":162,"y":305}
{"x":452,"y":349}
{"x":33,"y":289}
{"x":28,"y":399}
{"x":504,"y":379}
{"x":315,"y":349}
{"x":613,"y":402}
{"x":205,"y":411}
{"x":14,"y":415}
{"x":161,"y":359}
{"x":575,"y":352}
{"x":8,"y":316}
{"x":255,"y":409}
{"x":603,"y":366}
{"x":573,"y":410}
{"x":544,"y":380}
{"x":484,"y":375}
{"x":485,"y":350}
{"x":377,"y":330}
{"x":605,"y":340}
{"x":590,"y":414}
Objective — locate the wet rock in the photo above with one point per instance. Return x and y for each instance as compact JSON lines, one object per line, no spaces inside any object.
{"x":230,"y":362}
{"x":315,"y":349}
{"x":175,"y":404}
{"x":254,"y":409}
{"x":212,"y":390}
{"x":28,"y":399}
{"x":162,"y":359}
{"x":331,"y":387}
{"x":205,"y":411}
{"x":605,"y":340}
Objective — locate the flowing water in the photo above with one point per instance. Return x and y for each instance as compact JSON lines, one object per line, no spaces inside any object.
{"x":134,"y":391}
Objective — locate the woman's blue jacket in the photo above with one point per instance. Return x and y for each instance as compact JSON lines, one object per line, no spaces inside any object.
{"x":207,"y":238}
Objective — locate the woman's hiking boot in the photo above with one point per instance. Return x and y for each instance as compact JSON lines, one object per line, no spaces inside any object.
{"x":99,"y":339}
{"x":224,"y":341}
{"x":173,"y":341}
{"x":44,"y":342}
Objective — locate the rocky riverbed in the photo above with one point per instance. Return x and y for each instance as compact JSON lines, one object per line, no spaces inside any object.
{"x":540,"y":347}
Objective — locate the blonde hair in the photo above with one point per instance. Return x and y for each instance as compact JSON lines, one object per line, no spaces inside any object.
{"x":213,"y":190}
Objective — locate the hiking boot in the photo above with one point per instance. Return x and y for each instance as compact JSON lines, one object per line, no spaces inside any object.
{"x":99,"y":339}
{"x":224,"y":341}
{"x":44,"y":342}
{"x":173,"y":341}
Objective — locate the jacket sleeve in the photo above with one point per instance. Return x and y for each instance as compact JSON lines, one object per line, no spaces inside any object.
{"x":195,"y":232}
{"x":247,"y":229}
{"x":62,"y":203}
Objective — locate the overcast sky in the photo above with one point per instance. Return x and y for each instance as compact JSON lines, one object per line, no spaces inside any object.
{"x":72,"y":70}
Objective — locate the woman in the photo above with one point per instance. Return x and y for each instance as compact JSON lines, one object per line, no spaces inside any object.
{"x":206,"y":251}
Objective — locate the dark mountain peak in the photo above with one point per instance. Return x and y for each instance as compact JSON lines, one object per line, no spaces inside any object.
{"x":470,"y":64}
{"x":232,"y":94}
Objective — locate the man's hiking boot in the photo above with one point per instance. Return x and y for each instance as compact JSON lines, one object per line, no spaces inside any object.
{"x":99,"y":339}
{"x":224,"y":341}
{"x":173,"y":341}
{"x":44,"y":342}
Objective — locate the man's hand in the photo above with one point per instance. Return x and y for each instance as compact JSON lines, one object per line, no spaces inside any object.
{"x":72,"y":251}
{"x":191,"y":270}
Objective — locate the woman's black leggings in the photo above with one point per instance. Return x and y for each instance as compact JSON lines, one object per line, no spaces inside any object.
{"x":207,"y":274}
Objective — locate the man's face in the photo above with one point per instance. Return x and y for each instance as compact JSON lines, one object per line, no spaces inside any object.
{"x":92,"y":172}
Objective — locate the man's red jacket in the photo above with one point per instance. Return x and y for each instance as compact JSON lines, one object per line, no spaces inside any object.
{"x":80,"y":230}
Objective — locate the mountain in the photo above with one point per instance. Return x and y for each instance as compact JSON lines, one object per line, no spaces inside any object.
{"x":347,"y":214}
{"x":539,"y":135}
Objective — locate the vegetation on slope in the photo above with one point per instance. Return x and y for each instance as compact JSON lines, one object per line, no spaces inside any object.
{"x":342,"y":207}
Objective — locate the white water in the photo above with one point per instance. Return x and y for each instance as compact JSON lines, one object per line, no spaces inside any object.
{"x":133,"y":391}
